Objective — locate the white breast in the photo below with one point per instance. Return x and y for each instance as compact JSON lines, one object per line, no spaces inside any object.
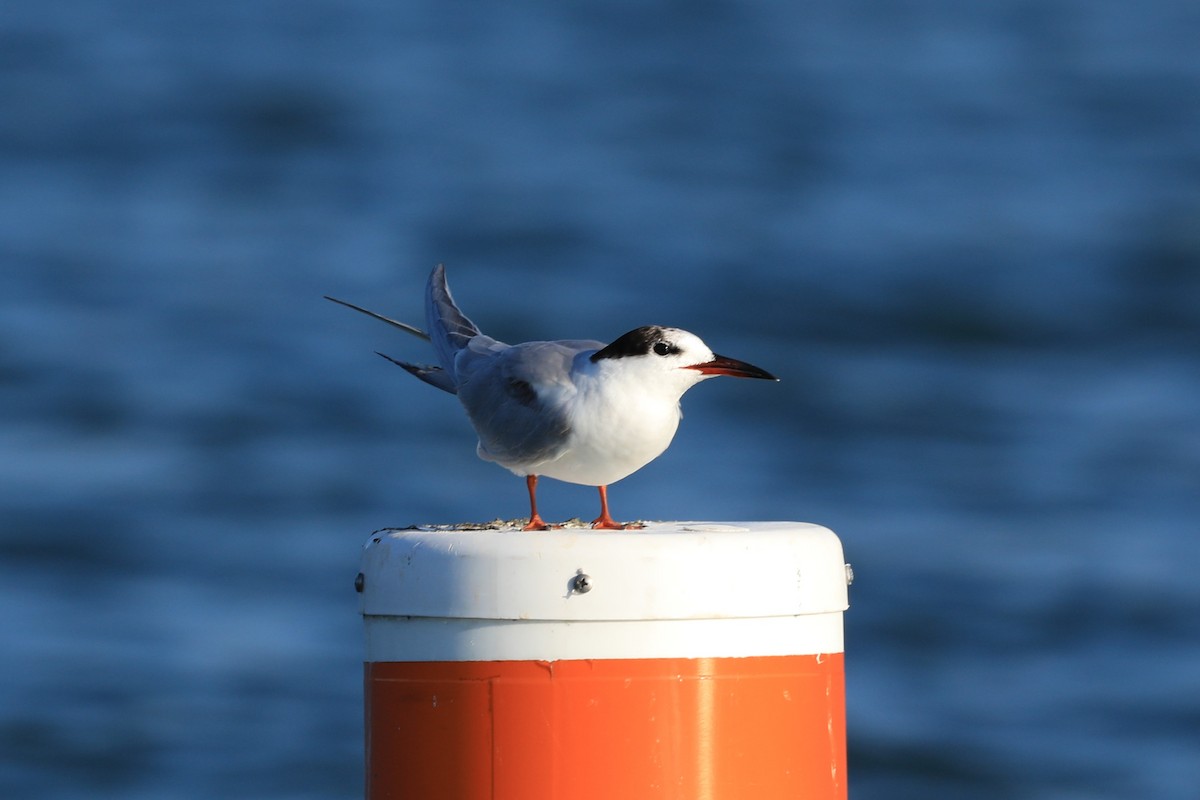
{"x":617,"y":427}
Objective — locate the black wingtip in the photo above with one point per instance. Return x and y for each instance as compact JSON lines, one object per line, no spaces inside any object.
{"x":394,"y":361}
{"x":434,"y":376}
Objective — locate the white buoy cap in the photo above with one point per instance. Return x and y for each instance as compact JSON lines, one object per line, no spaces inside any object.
{"x":669,"y":589}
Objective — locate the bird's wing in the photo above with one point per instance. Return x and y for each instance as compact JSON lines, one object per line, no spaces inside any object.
{"x":434,"y":376}
{"x":515,"y":399}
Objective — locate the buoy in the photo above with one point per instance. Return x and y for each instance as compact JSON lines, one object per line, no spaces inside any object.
{"x":682,"y":661}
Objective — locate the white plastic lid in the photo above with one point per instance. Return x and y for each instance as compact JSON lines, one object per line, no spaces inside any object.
{"x":665,"y":571}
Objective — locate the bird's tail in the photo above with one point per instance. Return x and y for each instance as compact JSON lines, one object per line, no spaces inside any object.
{"x":449,"y":329}
{"x":404,"y":326}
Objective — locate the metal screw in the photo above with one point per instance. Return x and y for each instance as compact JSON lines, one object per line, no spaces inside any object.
{"x":359,"y":580}
{"x":582,"y":583}
{"x":849,"y":574}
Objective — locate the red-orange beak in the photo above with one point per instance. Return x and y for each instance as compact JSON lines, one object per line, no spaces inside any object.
{"x":721,"y":365}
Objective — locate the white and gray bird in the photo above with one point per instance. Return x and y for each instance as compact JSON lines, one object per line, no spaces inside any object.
{"x":578,"y":411}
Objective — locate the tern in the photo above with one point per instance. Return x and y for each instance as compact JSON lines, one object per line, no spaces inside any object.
{"x":578,"y":411}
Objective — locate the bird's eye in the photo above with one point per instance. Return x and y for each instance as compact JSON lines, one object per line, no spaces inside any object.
{"x":663,"y":348}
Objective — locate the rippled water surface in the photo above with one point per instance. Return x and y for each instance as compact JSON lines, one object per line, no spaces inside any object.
{"x":967,"y":237}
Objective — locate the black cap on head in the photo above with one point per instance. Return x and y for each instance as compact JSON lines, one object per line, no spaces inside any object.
{"x":639,"y":342}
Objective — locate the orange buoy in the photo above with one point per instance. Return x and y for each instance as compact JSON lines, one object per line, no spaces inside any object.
{"x":684,"y":661}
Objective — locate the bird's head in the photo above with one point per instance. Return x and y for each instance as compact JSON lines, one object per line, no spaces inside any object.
{"x":672,"y":357}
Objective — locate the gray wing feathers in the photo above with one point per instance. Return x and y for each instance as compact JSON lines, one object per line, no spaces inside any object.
{"x":516,"y":427}
{"x":513,"y":395}
{"x":434,"y":376}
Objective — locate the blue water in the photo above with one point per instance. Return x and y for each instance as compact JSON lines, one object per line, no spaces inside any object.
{"x":967,"y":237}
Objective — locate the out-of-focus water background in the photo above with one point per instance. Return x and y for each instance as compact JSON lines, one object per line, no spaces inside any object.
{"x":966,"y":236}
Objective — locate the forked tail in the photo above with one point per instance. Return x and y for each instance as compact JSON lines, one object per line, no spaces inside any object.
{"x":449,"y":329}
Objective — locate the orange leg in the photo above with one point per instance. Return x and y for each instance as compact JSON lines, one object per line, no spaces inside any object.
{"x":605,"y":520}
{"x":536,"y":523}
